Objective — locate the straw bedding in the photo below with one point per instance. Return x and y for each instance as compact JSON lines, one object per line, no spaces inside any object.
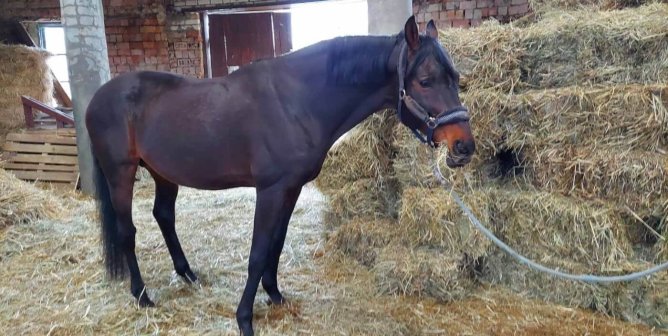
{"x":58,"y":286}
{"x":24,"y":72}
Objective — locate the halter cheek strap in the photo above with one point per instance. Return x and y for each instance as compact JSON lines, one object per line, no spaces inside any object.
{"x":457,"y":114}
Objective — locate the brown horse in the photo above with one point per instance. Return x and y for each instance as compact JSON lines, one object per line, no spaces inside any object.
{"x":268,"y":125}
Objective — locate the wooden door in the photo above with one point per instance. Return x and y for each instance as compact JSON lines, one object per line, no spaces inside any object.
{"x":238,"y":39}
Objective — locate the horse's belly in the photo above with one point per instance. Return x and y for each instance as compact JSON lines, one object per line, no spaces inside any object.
{"x":197,"y":163}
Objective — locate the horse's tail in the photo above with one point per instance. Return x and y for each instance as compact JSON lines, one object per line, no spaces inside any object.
{"x":114,"y":258}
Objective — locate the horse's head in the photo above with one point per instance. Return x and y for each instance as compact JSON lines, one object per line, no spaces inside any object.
{"x":429,"y":94}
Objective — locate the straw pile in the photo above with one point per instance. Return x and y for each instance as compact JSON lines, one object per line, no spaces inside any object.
{"x":24,"y":72}
{"x":570,"y":114}
{"x":22,"y":202}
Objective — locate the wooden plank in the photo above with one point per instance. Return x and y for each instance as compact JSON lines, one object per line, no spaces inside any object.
{"x":42,"y":138}
{"x":44,"y":149}
{"x":36,"y":158}
{"x":60,"y":131}
{"x":42,"y":167}
{"x":45,"y":176}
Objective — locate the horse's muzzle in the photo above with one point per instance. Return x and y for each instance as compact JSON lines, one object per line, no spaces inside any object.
{"x":461,"y":153}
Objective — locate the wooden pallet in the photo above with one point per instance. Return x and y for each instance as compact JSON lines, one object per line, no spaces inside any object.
{"x":45,"y":156}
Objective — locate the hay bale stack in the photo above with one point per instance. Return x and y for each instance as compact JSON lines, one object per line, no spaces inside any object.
{"x":24,"y":72}
{"x":22,"y":202}
{"x":564,"y":48}
{"x":430,"y":218}
{"x":422,"y":272}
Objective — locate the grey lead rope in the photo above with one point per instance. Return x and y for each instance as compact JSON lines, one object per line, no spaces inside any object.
{"x":581,"y":277}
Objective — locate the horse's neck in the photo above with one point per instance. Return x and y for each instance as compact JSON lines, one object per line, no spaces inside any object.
{"x":379,"y":100}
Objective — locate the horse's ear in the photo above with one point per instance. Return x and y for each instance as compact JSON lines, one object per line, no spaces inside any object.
{"x":432,"y":30}
{"x":412,"y":34}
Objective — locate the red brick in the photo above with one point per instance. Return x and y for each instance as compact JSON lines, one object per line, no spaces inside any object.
{"x":467,"y":4}
{"x":444,"y":24}
{"x":460,"y":23}
{"x":451,"y":14}
{"x":136,"y":45}
{"x":151,"y":52}
{"x":492,"y":11}
{"x":485,"y":12}
{"x":483,"y":3}
{"x":460,"y":14}
{"x":519,"y":9}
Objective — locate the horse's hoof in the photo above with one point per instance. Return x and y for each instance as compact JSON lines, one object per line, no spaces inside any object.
{"x":190,"y":278}
{"x":145,"y":302}
{"x":279,"y":301}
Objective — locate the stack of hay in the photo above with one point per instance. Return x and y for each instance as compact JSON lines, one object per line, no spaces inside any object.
{"x":24,"y":71}
{"x":571,"y":121}
{"x":22,"y":202}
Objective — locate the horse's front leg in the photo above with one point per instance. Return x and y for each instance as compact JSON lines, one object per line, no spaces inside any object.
{"x":270,"y":212}
{"x":269,"y":278}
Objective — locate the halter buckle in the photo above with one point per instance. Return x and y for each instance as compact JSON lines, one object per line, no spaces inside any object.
{"x":402,"y":94}
{"x":431,"y":123}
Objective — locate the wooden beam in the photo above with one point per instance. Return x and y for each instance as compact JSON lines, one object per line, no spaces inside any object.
{"x":42,"y":148}
{"x":41,"y":138}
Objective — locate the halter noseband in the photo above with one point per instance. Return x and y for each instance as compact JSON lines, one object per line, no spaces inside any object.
{"x":459,"y":113}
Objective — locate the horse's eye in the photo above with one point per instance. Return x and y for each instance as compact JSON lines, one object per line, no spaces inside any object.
{"x":425,"y":83}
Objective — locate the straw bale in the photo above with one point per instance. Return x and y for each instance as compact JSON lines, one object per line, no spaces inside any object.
{"x":589,"y":39}
{"x":626,"y":116}
{"x":362,"y":238}
{"x":430,"y":217}
{"x":488,"y":56}
{"x":24,"y":72}
{"x":22,"y":202}
{"x":362,"y":198}
{"x":546,"y":5}
{"x":554,"y":229}
{"x":364,"y":152}
{"x":634,"y":179}
{"x":564,"y":48}
{"x":422,"y":273}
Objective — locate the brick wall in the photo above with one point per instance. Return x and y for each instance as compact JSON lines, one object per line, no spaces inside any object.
{"x":467,"y":13}
{"x":141,"y":34}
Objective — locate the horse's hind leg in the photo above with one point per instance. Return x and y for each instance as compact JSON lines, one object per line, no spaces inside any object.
{"x":163,"y":211}
{"x":121,"y":181}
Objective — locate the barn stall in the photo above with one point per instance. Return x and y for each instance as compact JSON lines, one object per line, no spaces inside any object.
{"x":384,"y":251}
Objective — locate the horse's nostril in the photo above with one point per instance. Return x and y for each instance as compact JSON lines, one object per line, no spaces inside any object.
{"x":460,"y":147}
{"x":464,"y":148}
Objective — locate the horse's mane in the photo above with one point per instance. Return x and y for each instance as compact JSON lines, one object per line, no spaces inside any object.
{"x":356,"y":60}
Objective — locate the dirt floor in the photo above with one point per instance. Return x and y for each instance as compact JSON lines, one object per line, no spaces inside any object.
{"x":52,"y":282}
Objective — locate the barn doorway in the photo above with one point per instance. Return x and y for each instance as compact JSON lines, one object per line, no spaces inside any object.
{"x":234,"y":38}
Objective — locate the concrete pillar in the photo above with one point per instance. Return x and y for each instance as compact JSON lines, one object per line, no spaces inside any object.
{"x":88,"y":65}
{"x":387,"y":17}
